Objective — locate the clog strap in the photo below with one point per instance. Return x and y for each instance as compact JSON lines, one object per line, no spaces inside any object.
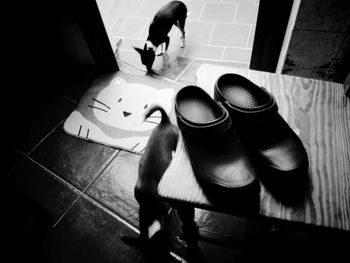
{"x":262,"y":113}
{"x":213,"y":128}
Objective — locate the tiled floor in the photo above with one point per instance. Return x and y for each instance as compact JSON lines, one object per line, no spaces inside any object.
{"x":221,"y":30}
{"x":70,"y":200}
{"x":80,"y":194}
{"x":87,"y":188}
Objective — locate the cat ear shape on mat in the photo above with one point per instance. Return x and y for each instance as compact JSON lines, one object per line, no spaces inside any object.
{"x":118,"y":81}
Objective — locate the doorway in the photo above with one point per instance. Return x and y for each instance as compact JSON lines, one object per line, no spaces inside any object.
{"x":209,"y":28}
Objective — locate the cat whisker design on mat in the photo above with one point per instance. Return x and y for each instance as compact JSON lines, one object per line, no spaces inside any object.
{"x":152,"y":122}
{"x":115,"y":114}
{"x":122,"y":105}
{"x":101,"y":103}
{"x":97,"y":108}
{"x":154,"y":119}
{"x":125,"y":113}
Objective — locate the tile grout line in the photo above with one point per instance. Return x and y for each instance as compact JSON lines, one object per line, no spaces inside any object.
{"x":143,"y":29}
{"x":107,"y":9}
{"x":67,"y":210}
{"x":50,"y":132}
{"x":222,"y":50}
{"x":230,"y":23}
{"x":162,"y":77}
{"x":113,"y":24}
{"x":222,"y":54}
{"x":138,"y":9}
{"x":235,"y":15}
{"x":105,"y":165}
{"x":45,"y":137}
{"x":216,"y":60}
{"x":110,"y":212}
{"x":211,"y":34}
{"x":218,"y":46}
{"x":120,"y":219}
{"x":56,"y":177}
{"x":185,"y":49}
{"x":67,"y":98}
{"x":201,"y":13}
{"x":249,"y":32}
{"x":205,"y":21}
{"x":81,"y":193}
{"x":191,"y":57}
{"x":182,"y":72}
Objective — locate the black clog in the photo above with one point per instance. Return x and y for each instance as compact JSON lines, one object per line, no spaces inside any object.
{"x":275,"y":150}
{"x":217,"y":157}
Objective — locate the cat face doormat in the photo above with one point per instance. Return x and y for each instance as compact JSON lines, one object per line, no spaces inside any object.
{"x":111,"y":111}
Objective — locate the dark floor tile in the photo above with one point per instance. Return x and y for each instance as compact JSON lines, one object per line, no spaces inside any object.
{"x":35,"y":118}
{"x":75,"y":160}
{"x":55,"y":196}
{"x":255,"y":231}
{"x":26,"y":225}
{"x":221,"y":228}
{"x":214,"y":253}
{"x":12,"y":159}
{"x":74,"y":83}
{"x":114,"y":188}
{"x":89,"y":234}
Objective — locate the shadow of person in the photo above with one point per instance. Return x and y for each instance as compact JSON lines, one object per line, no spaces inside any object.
{"x":155,"y":250}
{"x":290,"y":190}
{"x":240,"y":201}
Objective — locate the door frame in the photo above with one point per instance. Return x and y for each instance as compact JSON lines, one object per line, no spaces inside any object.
{"x":271,"y":26}
{"x":95,"y":34}
{"x":269,"y":35}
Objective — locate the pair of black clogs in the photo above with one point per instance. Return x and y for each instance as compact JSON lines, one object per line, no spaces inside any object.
{"x":238,"y":137}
